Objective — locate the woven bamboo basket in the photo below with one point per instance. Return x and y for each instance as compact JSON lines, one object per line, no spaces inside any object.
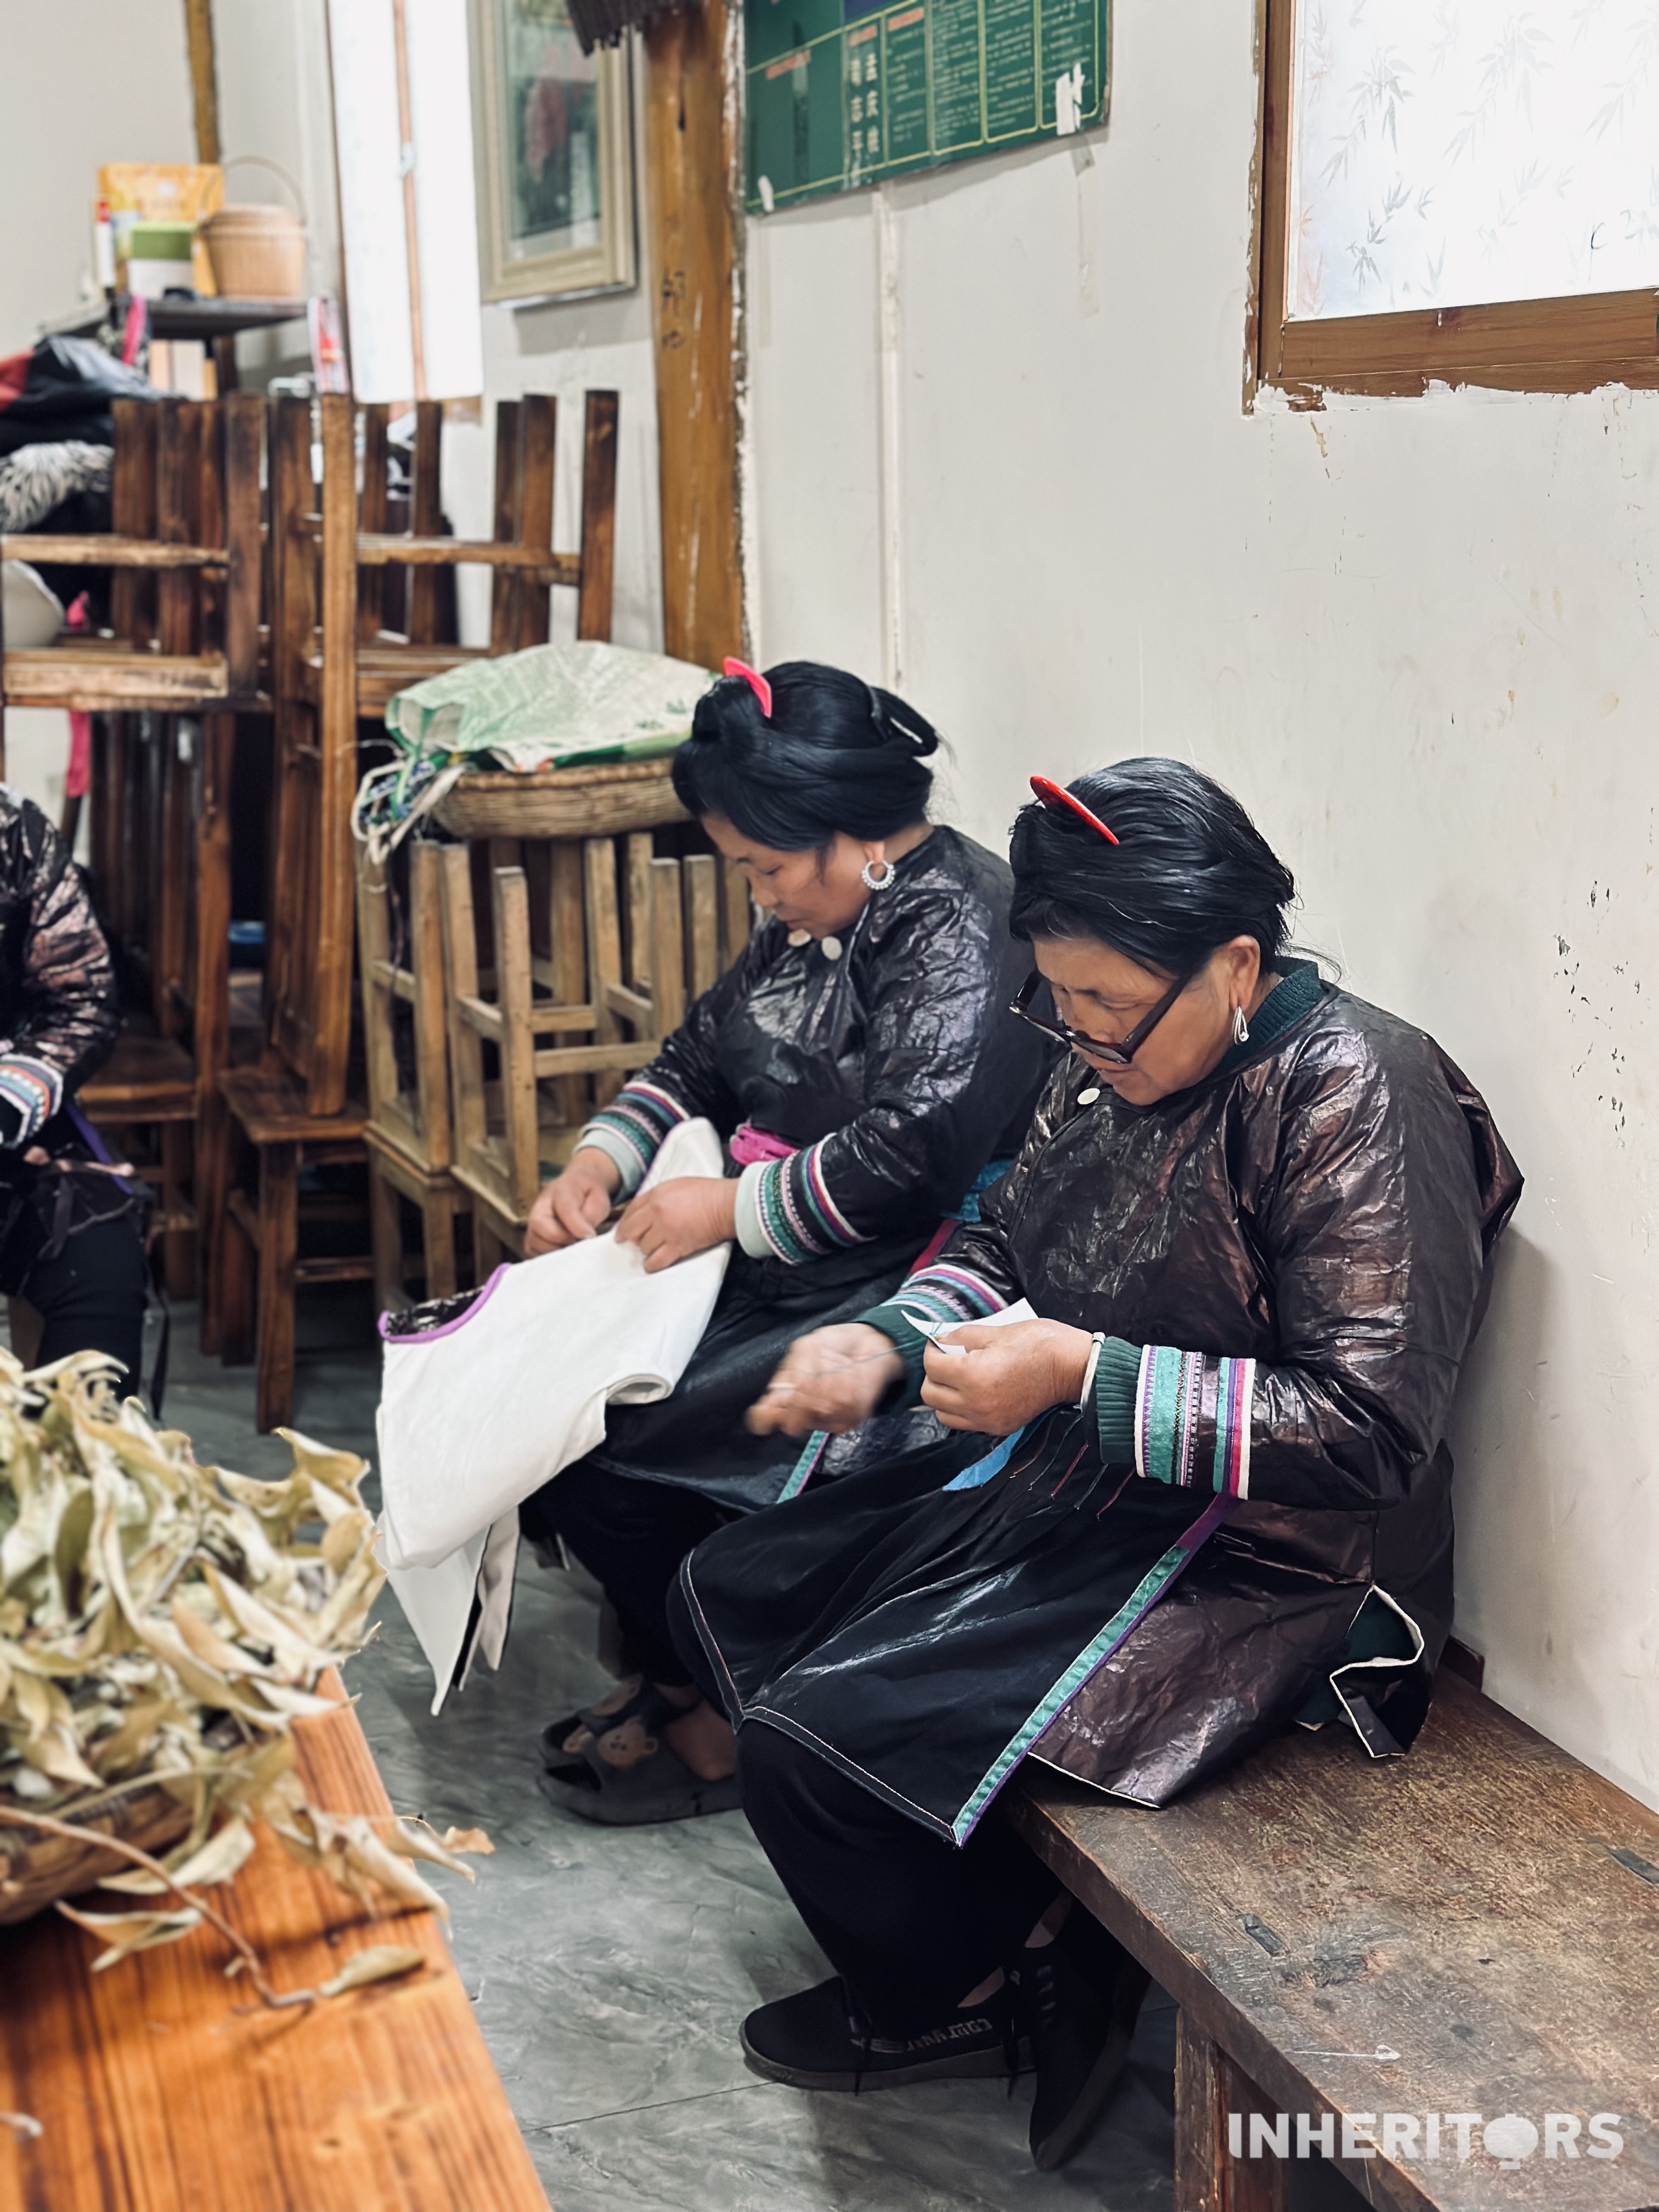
{"x":36,"y":1870}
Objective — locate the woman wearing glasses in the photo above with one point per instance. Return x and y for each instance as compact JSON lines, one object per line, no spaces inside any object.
{"x":1254,"y":1218}
{"x":860,"y":1061}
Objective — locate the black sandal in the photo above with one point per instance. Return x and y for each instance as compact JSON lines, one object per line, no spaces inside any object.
{"x":609,"y":1711}
{"x":641,"y":1783}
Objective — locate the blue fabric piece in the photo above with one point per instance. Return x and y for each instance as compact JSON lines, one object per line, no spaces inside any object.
{"x":987,"y":1469}
{"x":966,"y":1208}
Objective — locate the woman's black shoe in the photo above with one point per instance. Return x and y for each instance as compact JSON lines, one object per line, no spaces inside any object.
{"x":1080,"y":1998}
{"x":814,"y":2041}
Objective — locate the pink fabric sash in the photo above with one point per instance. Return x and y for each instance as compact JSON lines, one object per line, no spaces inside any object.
{"x":750,"y":1144}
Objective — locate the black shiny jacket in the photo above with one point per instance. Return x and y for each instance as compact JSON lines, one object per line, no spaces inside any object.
{"x":900,"y":1051}
{"x":57,"y":997}
{"x":1328,"y":1208}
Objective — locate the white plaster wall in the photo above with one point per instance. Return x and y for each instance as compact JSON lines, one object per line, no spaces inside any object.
{"x":86,"y":82}
{"x":89,"y":81}
{"x":1418,"y":637}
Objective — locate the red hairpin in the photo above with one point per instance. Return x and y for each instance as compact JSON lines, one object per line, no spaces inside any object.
{"x":1051,"y":794}
{"x":757,"y":682}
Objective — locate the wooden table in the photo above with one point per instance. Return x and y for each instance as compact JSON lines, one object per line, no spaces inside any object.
{"x":1473,"y":1928}
{"x":160,"y":2086}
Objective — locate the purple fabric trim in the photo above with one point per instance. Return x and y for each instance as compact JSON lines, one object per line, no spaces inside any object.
{"x":89,"y":1136}
{"x":431,"y":1335}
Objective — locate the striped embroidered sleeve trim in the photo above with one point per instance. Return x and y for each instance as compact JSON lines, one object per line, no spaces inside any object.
{"x":942,"y":1292}
{"x":630,"y":1130}
{"x":1192,"y":1420}
{"x":793,"y":1210}
{"x":34,"y":1089}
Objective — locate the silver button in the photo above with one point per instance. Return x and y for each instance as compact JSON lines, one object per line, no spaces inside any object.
{"x":831,"y":947}
{"x":800,"y":937}
{"x":1087,"y":1097}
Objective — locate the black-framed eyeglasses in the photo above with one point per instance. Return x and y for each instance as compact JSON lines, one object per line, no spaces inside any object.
{"x":1120,"y":1054}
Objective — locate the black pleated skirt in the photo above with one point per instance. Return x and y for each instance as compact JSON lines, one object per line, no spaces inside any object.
{"x":923,"y":1637}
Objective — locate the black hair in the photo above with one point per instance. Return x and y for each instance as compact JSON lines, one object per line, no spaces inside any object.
{"x":1190,"y":872}
{"x":836,"y":755}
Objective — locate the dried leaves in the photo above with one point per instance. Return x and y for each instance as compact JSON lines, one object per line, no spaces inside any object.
{"x":165,"y":1621}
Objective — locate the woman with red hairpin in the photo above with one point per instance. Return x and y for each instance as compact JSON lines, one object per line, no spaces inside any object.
{"x":1254,"y":1218}
{"x":859,"y":1060}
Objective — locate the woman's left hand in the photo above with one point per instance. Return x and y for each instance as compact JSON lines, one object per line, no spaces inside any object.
{"x":1005,"y":1377}
{"x":675,"y":1220}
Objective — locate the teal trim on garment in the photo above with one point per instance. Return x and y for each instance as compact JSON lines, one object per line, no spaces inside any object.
{"x":801,"y":1473}
{"x":1140,"y":1601}
{"x":987,"y":1470}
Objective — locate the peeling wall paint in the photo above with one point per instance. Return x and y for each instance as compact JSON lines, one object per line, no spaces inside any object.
{"x":1419,"y":637}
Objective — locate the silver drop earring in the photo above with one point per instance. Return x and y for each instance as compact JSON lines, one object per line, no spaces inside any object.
{"x":872,"y":882}
{"x":1240,"y":1027}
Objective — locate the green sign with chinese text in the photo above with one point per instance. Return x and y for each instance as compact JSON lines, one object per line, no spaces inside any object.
{"x":841,"y":93}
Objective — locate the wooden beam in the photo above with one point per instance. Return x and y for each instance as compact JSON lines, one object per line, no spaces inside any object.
{"x":96,"y":550}
{"x":203,"y":77}
{"x":375,"y":549}
{"x":691,"y":150}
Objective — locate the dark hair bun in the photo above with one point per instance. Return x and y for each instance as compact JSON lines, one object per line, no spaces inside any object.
{"x":1190,"y":871}
{"x":835,"y":755}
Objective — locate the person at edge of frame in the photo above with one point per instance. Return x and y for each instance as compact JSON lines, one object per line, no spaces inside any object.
{"x":71,"y":1225}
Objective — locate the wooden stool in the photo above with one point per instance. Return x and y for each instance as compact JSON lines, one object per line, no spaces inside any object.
{"x":261,"y":1269}
{"x":509,"y":1133}
{"x":149,"y":1083}
{"x":294,"y":1108}
{"x":408,"y":1132}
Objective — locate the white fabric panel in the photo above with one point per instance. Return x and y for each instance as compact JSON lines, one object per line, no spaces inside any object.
{"x":473,"y":1418}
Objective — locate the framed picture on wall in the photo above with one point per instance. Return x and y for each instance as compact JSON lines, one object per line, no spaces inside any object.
{"x":553,"y":139}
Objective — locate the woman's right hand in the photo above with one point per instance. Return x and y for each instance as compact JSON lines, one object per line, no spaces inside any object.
{"x":574,"y":1204}
{"x":833,"y":1379}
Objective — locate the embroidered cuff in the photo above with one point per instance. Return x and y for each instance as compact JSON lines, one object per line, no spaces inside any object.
{"x":1117,"y":1372}
{"x":790,"y":1211}
{"x":750,"y":1235}
{"x":595,"y":1137}
{"x":1192,"y":1419}
{"x":630,"y":1131}
{"x":910,"y":1345}
{"x":31,"y":1091}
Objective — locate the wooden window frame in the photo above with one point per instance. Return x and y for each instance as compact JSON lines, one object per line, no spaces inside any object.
{"x":1571,"y":344}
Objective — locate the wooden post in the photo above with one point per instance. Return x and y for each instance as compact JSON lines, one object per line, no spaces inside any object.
{"x":1209,"y":2090}
{"x":203,"y":77}
{"x":691,"y":160}
{"x":212,"y":1017}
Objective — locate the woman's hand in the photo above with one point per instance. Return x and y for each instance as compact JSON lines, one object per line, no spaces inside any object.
{"x":574,"y":1204}
{"x":1005,"y":1377}
{"x":833,"y":1379}
{"x":679,"y":1217}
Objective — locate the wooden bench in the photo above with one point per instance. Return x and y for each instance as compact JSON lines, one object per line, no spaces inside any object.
{"x":1472,"y":1930}
{"x":160,"y":2084}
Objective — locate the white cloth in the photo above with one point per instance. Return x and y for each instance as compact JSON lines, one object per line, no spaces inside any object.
{"x":475,"y":1417}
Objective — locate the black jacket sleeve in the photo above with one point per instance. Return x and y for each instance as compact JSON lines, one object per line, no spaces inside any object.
{"x":65,"y":1009}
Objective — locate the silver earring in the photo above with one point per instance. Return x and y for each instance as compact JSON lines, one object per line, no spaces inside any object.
{"x":872,"y":882}
{"x":1240,"y":1027}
